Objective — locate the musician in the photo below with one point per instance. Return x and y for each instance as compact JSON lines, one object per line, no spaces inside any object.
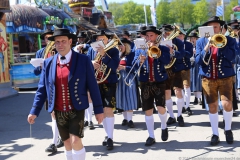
{"x":126,"y":96}
{"x":65,"y":80}
{"x":217,"y":78}
{"x":40,"y":53}
{"x":152,"y":83}
{"x":83,"y":43}
{"x":108,"y":87}
{"x":174,"y":76}
{"x":196,"y":85}
{"x":188,"y":47}
{"x":127,"y":35}
{"x":233,"y":22}
{"x":139,"y":32}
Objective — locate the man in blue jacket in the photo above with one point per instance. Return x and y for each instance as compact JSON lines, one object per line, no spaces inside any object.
{"x":217,"y":78}
{"x":188,"y":47}
{"x":153,"y":82}
{"x":109,"y":59}
{"x":65,"y":80}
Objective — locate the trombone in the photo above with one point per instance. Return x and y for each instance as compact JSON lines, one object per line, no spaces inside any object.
{"x":153,"y":52}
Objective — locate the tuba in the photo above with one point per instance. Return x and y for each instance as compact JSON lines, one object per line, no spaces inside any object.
{"x":101,"y":73}
{"x":177,"y":30}
{"x":49,"y":50}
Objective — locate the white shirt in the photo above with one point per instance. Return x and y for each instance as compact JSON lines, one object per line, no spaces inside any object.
{"x":67,"y":56}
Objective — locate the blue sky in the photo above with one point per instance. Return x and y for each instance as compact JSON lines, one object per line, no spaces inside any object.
{"x":146,"y":2}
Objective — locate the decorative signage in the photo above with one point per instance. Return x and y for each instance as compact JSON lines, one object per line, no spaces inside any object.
{"x":71,"y":21}
{"x":4,"y":5}
{"x":46,"y":3}
{"x":53,"y":20}
{"x":86,"y":12}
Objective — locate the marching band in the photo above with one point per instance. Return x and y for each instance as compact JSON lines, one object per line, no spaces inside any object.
{"x":129,"y":76}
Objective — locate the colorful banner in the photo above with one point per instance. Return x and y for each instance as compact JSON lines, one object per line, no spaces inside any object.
{"x":87,"y":12}
{"x":4,"y":64}
{"x":4,"y":5}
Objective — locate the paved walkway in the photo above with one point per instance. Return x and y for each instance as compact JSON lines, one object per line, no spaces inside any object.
{"x":189,"y":142}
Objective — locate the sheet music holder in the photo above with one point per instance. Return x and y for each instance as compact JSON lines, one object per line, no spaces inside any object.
{"x":166,"y":42}
{"x":206,"y":31}
{"x":140,"y":43}
{"x":96,"y":44}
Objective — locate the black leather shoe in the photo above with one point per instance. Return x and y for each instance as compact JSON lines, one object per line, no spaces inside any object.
{"x":150,"y":141}
{"x":195,"y":101}
{"x":214,"y":140}
{"x":131,"y":124}
{"x":180,"y":121}
{"x":90,"y":125}
{"x":124,"y":122}
{"x":109,"y":144}
{"x":235,"y":114}
{"x":183,"y":110}
{"x":189,"y":111}
{"x":200,"y":101}
{"x":229,"y":136}
{"x":85,"y":123}
{"x":60,"y":143}
{"x":164,"y":134}
{"x":171,"y":121}
{"x":104,"y":143}
{"x":52,"y":148}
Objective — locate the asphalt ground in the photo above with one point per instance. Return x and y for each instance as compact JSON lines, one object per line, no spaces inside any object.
{"x":20,"y":141}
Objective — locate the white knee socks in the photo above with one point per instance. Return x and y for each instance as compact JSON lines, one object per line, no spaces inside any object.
{"x":169,"y":105}
{"x":228,"y":119}
{"x":214,"y":123}
{"x":150,"y":125}
{"x":187,"y":97}
{"x":89,"y":112}
{"x":68,"y":155}
{"x":79,"y":155}
{"x":163,"y":119}
{"x":109,"y":122}
{"x":129,"y":116}
{"x":124,"y":115}
{"x":55,"y":131}
{"x":180,"y":103}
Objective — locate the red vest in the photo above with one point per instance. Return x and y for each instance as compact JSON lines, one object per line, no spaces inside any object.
{"x":151,"y":69}
{"x":214,"y":63}
{"x":62,"y":95}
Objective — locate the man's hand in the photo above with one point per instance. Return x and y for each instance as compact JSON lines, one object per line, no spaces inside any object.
{"x":142,"y":58}
{"x":99,"y":118}
{"x":121,"y":67}
{"x":96,"y":65}
{"x":31,"y":118}
{"x":100,"y":50}
{"x":80,"y":47}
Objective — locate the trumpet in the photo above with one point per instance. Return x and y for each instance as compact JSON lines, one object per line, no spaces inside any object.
{"x":218,"y":41}
{"x":152,"y":52}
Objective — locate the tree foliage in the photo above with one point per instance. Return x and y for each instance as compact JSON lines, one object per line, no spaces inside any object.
{"x":228,"y":9}
{"x":200,"y":12}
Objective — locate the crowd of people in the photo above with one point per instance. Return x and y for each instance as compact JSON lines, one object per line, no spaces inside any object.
{"x":115,"y":75}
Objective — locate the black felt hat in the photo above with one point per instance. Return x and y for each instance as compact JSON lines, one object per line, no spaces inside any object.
{"x":214,"y":19}
{"x":62,"y":32}
{"x":125,"y":40}
{"x":82,"y":35}
{"x":233,"y":21}
{"x":235,"y":26}
{"x":47,"y":31}
{"x":126,"y":33}
{"x":151,"y":29}
{"x":141,"y":29}
{"x":193,"y":34}
{"x":166,"y":28}
{"x":101,"y":33}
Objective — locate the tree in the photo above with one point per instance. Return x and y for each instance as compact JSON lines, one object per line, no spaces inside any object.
{"x":181,"y":11}
{"x":228,"y":9}
{"x":200,"y":11}
{"x":162,"y":12}
{"x":117,"y":11}
{"x":212,"y":7}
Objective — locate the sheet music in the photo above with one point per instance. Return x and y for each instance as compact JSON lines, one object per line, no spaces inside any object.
{"x":140,"y":43}
{"x":166,"y":42}
{"x":96,"y":44}
{"x":206,"y":31}
{"x":36,"y":62}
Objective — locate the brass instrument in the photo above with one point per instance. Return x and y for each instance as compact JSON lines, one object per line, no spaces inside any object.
{"x":50,"y":49}
{"x":230,"y":32}
{"x":101,"y":73}
{"x":153,"y":52}
{"x":218,"y":41}
{"x":177,"y":30}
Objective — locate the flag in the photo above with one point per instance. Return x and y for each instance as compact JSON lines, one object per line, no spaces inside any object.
{"x":145,"y":12}
{"x":153,"y":16}
{"x":220,"y":9}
